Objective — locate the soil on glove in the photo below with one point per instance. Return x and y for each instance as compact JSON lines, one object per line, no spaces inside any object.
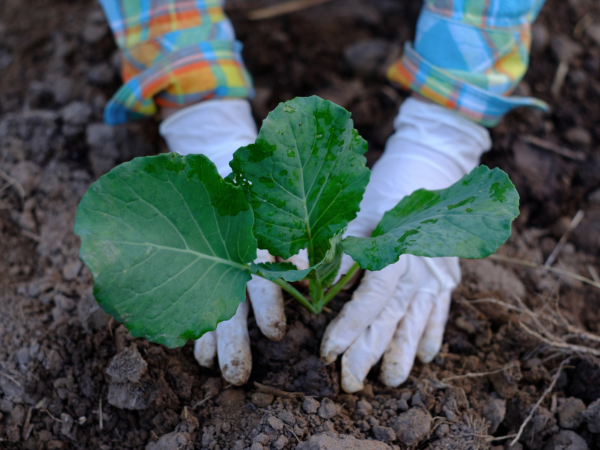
{"x":70,"y":377}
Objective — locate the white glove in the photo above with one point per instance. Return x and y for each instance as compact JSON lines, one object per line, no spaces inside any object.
{"x":402,"y":310}
{"x":217,"y":128}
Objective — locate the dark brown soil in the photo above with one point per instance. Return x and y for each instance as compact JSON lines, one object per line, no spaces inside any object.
{"x":58,"y":67}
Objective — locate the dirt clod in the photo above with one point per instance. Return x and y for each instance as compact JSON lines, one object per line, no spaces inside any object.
{"x":262,"y":400}
{"x":592,"y":416}
{"x":172,"y":441}
{"x":275,"y":423}
{"x":506,"y":382}
{"x":384,"y":434}
{"x":494,"y":413}
{"x":329,"y":441}
{"x":364,"y":408}
{"x":127,"y":366}
{"x":412,"y":426}
{"x":328,"y":409}
{"x":310,"y":405}
{"x":566,"y":440}
{"x":281,"y":442}
{"x":570,"y":414}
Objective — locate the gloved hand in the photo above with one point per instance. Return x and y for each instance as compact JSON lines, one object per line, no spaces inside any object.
{"x":217,"y":128}
{"x":401,"y":311}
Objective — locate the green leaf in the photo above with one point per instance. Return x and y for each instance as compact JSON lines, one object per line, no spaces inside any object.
{"x":284,"y":270}
{"x":325,"y":269}
{"x":167,"y":241}
{"x":304,"y":177}
{"x":470,"y":219}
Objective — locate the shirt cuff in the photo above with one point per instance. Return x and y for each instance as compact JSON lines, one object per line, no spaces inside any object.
{"x":415,"y":73}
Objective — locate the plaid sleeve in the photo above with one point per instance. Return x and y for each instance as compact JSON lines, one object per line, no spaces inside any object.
{"x":174,"y":53}
{"x":469,"y":55}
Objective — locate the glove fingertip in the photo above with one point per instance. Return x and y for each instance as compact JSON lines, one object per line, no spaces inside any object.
{"x":428,"y":350}
{"x":350,"y":383}
{"x":395,"y":373}
{"x":275,"y":331}
{"x":205,"y":350}
{"x":237,"y":372}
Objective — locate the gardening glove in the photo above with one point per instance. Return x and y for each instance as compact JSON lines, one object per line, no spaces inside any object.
{"x":401,"y":311}
{"x":217,"y":128}
{"x":469,"y":56}
{"x":174,"y":53}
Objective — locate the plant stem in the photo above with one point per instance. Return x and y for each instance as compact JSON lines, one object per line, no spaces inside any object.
{"x":338,"y":287}
{"x":296,"y":294}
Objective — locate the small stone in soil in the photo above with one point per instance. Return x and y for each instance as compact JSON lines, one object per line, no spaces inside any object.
{"x":328,"y":409}
{"x":364,"y":408}
{"x":329,"y":426}
{"x":256,"y":446}
{"x":566,"y":439}
{"x":578,"y":136}
{"x":76,"y":113}
{"x":412,"y":426}
{"x":592,"y":416}
{"x":262,"y":400}
{"x":494,"y":413}
{"x":275,"y":423}
{"x":329,"y":441}
{"x":442,"y":430}
{"x":67,"y":424}
{"x":570,"y":414}
{"x":384,"y":434}
{"x":310,"y":405}
{"x":262,"y":439}
{"x":71,"y":269}
{"x":127,"y":366}
{"x":287,"y":417}
{"x":280,"y":442}
{"x":172,"y":441}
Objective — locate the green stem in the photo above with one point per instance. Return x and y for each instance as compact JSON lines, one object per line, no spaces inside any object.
{"x":338,"y":287}
{"x":296,"y":294}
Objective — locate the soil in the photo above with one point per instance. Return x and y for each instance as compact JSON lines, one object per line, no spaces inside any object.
{"x":72,"y":378}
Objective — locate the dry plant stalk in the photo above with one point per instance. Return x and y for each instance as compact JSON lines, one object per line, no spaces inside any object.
{"x":283,"y":8}
{"x":539,"y":402}
{"x":478,"y":374}
{"x":533,"y":265}
{"x":546,"y":318}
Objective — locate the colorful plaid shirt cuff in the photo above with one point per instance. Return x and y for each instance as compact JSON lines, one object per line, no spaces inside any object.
{"x":469,"y":55}
{"x":174,"y":53}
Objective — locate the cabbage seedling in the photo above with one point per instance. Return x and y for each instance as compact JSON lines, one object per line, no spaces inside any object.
{"x":170,"y":243}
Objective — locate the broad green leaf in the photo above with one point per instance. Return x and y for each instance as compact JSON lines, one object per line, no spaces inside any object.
{"x":167,"y":241}
{"x":470,"y":219}
{"x":325,"y":270}
{"x":304,"y":177}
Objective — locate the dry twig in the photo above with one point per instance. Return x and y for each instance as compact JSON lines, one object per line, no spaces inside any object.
{"x":50,"y":414}
{"x":277,"y":392}
{"x":283,"y":8}
{"x":545,"y":145}
{"x":27,"y":426}
{"x":478,"y":375}
{"x":31,"y":235}
{"x":549,"y":269}
{"x":100,"y":415}
{"x":539,"y":402}
{"x":7,"y":376}
{"x":201,"y":402}
{"x":593,"y":272}
{"x":563,"y":239}
{"x":560,"y":344}
{"x":559,"y":78}
{"x":582,"y":26}
{"x":14,"y":182}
